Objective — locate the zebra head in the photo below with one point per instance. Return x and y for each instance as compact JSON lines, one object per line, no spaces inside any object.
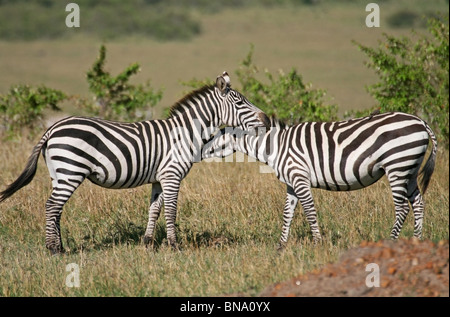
{"x":221,"y":144}
{"x":236,"y":110}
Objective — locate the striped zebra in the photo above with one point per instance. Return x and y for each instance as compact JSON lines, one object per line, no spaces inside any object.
{"x":126,"y":155}
{"x":341,"y":156}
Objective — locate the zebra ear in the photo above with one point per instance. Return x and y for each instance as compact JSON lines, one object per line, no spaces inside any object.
{"x":223,"y":83}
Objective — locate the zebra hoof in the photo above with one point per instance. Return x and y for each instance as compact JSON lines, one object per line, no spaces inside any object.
{"x":148,"y":241}
{"x":56,"y":250}
{"x":174,"y":246}
{"x":394,"y":237}
{"x":281,"y":246}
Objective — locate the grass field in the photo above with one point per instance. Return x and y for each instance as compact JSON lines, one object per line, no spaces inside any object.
{"x":229,"y":215}
{"x":229,"y":222}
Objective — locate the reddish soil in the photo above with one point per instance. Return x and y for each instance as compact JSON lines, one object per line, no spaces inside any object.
{"x":406,"y":268}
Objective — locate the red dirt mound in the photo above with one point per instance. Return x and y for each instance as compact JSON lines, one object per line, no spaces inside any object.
{"x":384,"y":268}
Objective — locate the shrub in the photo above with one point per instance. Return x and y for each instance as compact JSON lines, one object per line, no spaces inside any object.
{"x":287,"y":97}
{"x":23,"y":107}
{"x":114,"y":97}
{"x":414,"y":75}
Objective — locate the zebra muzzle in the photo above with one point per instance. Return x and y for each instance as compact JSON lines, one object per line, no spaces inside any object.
{"x":264,"y":120}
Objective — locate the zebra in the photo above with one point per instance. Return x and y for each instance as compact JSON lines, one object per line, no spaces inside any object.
{"x":341,"y":156}
{"x":126,"y":155}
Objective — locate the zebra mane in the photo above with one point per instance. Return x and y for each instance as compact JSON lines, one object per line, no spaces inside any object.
{"x":182,"y":105}
{"x":278,"y":123}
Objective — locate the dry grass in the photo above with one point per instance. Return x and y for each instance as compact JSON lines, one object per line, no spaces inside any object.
{"x":229,"y":216}
{"x":229,"y":222}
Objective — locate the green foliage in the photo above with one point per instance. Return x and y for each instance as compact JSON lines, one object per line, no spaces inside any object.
{"x":167,"y":20}
{"x":33,"y":20}
{"x":153,"y":21}
{"x":414,"y":75}
{"x":404,"y":19}
{"x":114,"y":98}
{"x":172,"y":24}
{"x":23,"y":107}
{"x":117,"y":99}
{"x":286,"y":97}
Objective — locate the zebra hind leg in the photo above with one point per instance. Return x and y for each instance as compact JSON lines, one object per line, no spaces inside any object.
{"x":53,"y":210}
{"x":401,"y":211}
{"x":404,"y":191}
{"x":417,"y":204}
{"x":154,"y":211}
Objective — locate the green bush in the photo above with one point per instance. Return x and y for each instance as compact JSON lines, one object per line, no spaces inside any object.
{"x":414,"y":75}
{"x":114,"y":97}
{"x":23,"y":107}
{"x":287,"y":97}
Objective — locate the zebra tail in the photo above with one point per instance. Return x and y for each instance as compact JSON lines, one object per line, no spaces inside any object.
{"x":428,"y":168}
{"x":28,"y":173}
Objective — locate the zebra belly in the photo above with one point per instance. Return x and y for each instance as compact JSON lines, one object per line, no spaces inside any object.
{"x":107,"y":178}
{"x":368,"y":175}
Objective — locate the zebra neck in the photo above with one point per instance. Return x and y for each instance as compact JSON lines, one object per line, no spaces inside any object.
{"x":255,"y":146}
{"x":190,"y":132}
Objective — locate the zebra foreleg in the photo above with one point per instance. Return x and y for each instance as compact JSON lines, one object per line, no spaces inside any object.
{"x":288,"y":214}
{"x":153,"y":213}
{"x":171,"y":188}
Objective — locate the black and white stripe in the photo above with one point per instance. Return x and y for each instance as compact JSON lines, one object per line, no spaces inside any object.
{"x":127,"y":155}
{"x":341,"y":156}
